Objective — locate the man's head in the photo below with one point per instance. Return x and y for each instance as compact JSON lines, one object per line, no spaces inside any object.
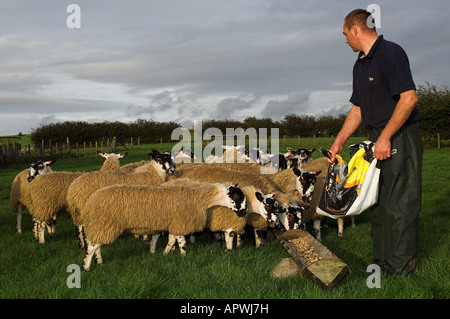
{"x":356,"y":27}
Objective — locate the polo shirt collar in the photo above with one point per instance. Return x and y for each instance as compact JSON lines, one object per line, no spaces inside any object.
{"x":372,"y":49}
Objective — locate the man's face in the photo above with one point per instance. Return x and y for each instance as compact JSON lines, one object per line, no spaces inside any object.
{"x":351,"y":39}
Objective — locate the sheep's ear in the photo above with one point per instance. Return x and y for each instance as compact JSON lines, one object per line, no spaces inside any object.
{"x":122,"y":155}
{"x":318,"y":172}
{"x":48,"y":163}
{"x":297,"y":172}
{"x":259,"y":196}
{"x":312,"y":151}
{"x":102,"y":154}
{"x":156,"y":153}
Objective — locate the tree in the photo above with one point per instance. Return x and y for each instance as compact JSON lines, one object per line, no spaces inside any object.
{"x":434,"y":108}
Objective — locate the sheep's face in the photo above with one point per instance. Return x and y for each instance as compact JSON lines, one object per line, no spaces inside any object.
{"x":303,"y":154}
{"x":117,"y":156}
{"x":294,"y":214}
{"x":39,"y":168}
{"x":305,"y":183}
{"x":270,"y":208}
{"x":237,"y":200}
{"x":164,"y":160}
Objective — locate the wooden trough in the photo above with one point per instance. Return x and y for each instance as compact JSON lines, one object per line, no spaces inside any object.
{"x":313,"y":259}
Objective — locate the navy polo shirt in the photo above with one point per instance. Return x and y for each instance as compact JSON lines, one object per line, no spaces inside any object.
{"x":378,"y":80}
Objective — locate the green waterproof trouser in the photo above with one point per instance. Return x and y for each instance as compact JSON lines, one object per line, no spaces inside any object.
{"x":395,"y":217}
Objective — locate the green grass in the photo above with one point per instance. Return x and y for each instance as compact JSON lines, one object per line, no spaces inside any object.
{"x":29,"y":270}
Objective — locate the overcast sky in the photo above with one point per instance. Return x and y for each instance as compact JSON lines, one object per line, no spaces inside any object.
{"x":186,"y":60}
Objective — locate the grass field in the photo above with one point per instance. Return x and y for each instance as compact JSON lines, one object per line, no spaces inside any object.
{"x":29,"y":270}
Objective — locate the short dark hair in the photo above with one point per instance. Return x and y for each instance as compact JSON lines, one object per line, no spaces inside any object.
{"x":359,"y":17}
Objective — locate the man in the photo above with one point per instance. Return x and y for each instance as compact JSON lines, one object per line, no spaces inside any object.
{"x":384,"y":99}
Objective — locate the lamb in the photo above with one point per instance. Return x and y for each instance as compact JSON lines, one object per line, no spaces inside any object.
{"x":144,"y":209}
{"x":296,"y":158}
{"x":18,"y":197}
{"x":288,"y":217}
{"x":47,"y":193}
{"x":154,"y":173}
{"x":310,"y":213}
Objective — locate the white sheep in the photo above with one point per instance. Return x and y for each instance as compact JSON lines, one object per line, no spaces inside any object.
{"x":248,"y":174}
{"x":231,"y":154}
{"x":154,"y":173}
{"x":47,"y":193}
{"x":19,"y":195}
{"x":221,"y":219}
{"x":140,"y":209}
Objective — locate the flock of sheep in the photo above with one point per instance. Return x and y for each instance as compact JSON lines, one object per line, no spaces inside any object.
{"x":174,"y":194}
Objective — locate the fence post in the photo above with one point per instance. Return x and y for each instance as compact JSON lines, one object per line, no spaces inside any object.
{"x":298,"y":140}
{"x":42,"y":148}
{"x":90,"y":148}
{"x":84,"y":149}
{"x":68,"y":145}
{"x":132,"y":142}
{"x":439,"y":141}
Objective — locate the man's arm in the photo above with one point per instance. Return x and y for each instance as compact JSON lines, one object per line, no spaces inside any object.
{"x":401,"y":113}
{"x":351,"y":123}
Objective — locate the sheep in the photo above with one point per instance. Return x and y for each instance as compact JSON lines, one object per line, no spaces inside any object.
{"x":310,"y":214}
{"x":111,"y":160}
{"x":288,"y":217}
{"x":154,"y":173}
{"x":287,"y":181}
{"x":47,"y":193}
{"x":18,"y":197}
{"x":144,"y":209}
{"x":232,"y":154}
{"x":221,"y":219}
{"x":47,"y":197}
{"x":223,"y":174}
{"x":296,"y":158}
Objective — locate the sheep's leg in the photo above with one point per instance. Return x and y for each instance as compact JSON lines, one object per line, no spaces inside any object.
{"x":238,"y":240}
{"x":170,"y":243}
{"x":192,"y":238}
{"x":35,"y":228}
{"x":352,"y":218}
{"x":153,"y":242}
{"x":51,"y":225}
{"x":39,"y":230}
{"x":259,"y":240}
{"x":80,"y":235}
{"x":317,"y":230}
{"x":340,"y":222}
{"x":229,"y":236}
{"x":182,"y":244}
{"x":98,"y":256}
{"x":19,"y":219}
{"x":90,"y":250}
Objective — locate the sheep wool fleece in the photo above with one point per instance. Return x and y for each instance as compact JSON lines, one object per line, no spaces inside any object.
{"x":395,"y":218}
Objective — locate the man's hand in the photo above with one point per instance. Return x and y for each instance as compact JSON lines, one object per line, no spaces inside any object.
{"x":335,"y":149}
{"x":382,"y":149}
